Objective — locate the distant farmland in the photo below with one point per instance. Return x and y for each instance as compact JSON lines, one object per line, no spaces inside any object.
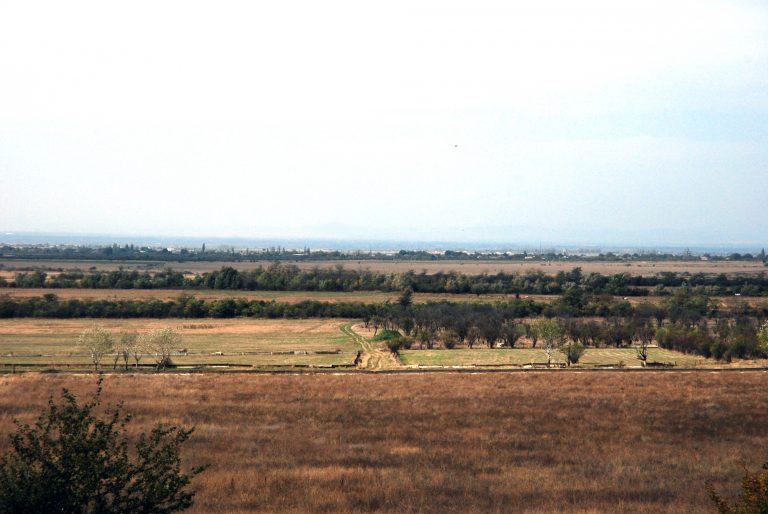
{"x":469,"y":267}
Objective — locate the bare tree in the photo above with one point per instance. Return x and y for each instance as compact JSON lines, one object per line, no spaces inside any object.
{"x":97,"y":342}
{"x":645,"y":334}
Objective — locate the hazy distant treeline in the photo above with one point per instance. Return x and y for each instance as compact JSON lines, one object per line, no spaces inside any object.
{"x":289,"y":277}
{"x":222,"y":254}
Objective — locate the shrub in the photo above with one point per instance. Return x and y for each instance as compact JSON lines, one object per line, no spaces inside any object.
{"x":572,"y":351}
{"x":386,"y":334}
{"x":753,"y":499}
{"x":395,"y":344}
{"x":71,"y":461}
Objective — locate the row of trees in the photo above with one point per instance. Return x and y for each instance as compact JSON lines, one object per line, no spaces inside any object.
{"x":682,"y":307}
{"x":100,"y":343}
{"x":571,"y":337}
{"x":288,"y":277}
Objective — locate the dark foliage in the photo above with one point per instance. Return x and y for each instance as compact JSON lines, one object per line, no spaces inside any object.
{"x":72,"y":461}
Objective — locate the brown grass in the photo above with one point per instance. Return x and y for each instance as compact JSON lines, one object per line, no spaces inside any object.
{"x":467,"y":267}
{"x":524,"y":442}
{"x":724,"y":302}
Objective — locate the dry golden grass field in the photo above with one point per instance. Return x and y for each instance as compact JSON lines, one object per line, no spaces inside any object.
{"x":467,"y":267}
{"x":536,"y":442}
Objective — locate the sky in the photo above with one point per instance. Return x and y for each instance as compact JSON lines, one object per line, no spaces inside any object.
{"x":591,"y":122}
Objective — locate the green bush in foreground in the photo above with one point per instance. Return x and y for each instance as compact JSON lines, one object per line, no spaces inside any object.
{"x":754,"y":495}
{"x":71,"y":461}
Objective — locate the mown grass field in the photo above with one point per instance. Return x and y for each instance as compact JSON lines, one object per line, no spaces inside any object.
{"x":527,"y":356}
{"x":442,"y":443}
{"x":53,"y":342}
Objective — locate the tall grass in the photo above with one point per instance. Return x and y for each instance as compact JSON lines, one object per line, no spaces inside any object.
{"x":534,"y":442}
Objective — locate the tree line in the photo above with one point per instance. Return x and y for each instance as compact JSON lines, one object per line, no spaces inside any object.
{"x":289,"y":277}
{"x":224,"y":253}
{"x":684,"y":325}
{"x":691,"y":324}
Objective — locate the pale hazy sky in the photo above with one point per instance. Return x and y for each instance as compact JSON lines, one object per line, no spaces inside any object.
{"x":589,"y":121}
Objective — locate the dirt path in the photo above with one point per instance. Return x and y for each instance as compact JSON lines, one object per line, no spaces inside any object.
{"x":373,"y":358}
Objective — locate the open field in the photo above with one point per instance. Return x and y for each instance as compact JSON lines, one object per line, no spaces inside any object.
{"x":264,"y":342}
{"x":314,"y":342}
{"x":466,"y":267}
{"x":527,"y":356}
{"x":534,"y":442}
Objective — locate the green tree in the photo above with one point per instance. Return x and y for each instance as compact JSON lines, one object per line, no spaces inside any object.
{"x":406,"y":298}
{"x":573,"y":350}
{"x":762,"y":338}
{"x":73,"y":461}
{"x":551,"y":334}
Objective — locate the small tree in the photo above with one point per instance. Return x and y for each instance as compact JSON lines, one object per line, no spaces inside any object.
{"x":450,"y":339}
{"x":573,"y":350}
{"x":426,"y":336}
{"x":140,"y":347}
{"x":122,"y":349}
{"x":97,"y":342}
{"x":753,"y":499}
{"x":406,"y":298}
{"x":128,"y":343}
{"x":472,"y":336}
{"x":645,"y":334}
{"x":510,"y":333}
{"x":762,"y":339}
{"x":162,"y":343}
{"x":551,"y":334}
{"x":71,"y":460}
